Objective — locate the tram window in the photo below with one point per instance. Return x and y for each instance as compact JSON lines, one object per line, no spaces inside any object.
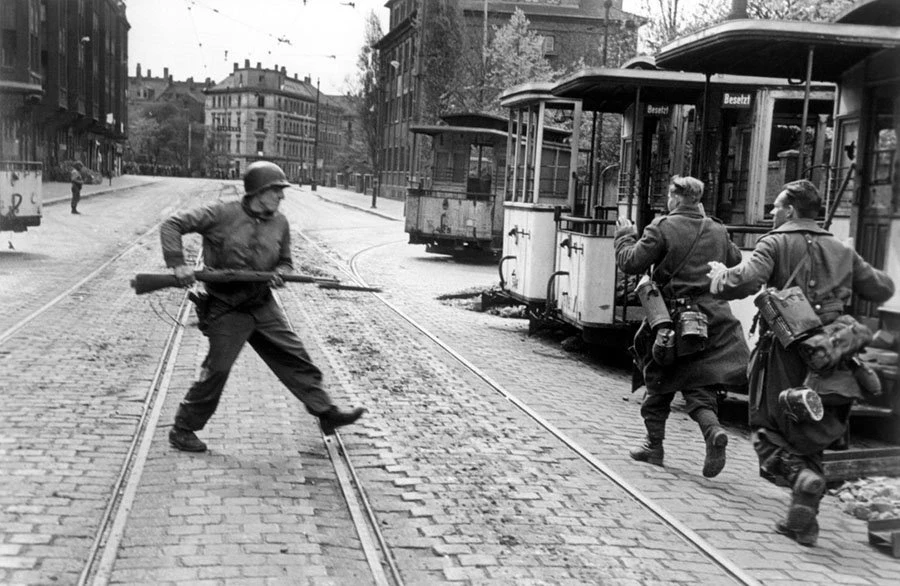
{"x":481,"y":170}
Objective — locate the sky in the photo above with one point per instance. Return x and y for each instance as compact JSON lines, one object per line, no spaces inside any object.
{"x":204,"y":38}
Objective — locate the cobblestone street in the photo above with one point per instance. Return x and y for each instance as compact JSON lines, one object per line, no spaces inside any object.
{"x":466,"y":486}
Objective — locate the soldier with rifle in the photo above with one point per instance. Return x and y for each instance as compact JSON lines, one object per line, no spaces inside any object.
{"x":247,"y":235}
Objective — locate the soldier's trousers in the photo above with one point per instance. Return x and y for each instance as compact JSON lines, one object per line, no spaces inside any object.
{"x":267,"y":331}
{"x":702,"y":406}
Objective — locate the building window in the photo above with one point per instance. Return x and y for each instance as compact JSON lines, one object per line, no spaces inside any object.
{"x":261,"y":101}
{"x":260,"y":123}
{"x":548,"y":44}
{"x":8,"y":48}
{"x":259,"y":147}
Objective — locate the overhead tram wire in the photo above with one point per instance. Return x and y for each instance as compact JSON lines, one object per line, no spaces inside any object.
{"x":196,"y":34}
{"x":241,"y":22}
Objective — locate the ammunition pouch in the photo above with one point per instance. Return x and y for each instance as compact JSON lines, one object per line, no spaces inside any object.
{"x":202,"y":306}
{"x":788,"y":314}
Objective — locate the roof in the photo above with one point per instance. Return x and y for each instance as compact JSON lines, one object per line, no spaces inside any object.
{"x":606,"y":89}
{"x":877,"y":12}
{"x":778,"y":48}
{"x":530,"y":92}
{"x":482,"y":124}
{"x":436,"y":129}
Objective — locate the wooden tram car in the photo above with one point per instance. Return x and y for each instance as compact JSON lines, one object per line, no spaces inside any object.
{"x":860,"y":52}
{"x":20,"y":195}
{"x":457,"y":209}
{"x":661,"y":117}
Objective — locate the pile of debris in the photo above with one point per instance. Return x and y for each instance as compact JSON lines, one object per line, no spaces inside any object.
{"x":870,"y":499}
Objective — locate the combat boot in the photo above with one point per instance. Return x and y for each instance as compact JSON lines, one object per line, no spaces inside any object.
{"x":334,"y":418}
{"x":185,"y":440}
{"x":651,"y":451}
{"x":807,"y":492}
{"x":807,"y":537}
{"x":716,"y":442}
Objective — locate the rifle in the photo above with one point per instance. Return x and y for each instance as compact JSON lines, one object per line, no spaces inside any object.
{"x":147,"y":282}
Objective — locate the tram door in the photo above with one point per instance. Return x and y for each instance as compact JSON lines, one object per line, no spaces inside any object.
{"x":879,"y":195}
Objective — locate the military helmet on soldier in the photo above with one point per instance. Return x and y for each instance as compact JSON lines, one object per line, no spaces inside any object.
{"x":262,"y":175}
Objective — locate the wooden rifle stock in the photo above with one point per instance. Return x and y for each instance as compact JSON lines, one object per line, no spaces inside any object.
{"x":148,"y":282}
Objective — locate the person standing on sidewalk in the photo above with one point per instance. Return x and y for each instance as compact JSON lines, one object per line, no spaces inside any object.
{"x":677,"y":247}
{"x":244,"y":235}
{"x":798,"y":251}
{"x":77,"y":181}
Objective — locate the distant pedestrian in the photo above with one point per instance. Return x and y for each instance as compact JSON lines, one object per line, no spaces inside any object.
{"x":798,"y":251}
{"x":77,"y":181}
{"x":244,"y":235}
{"x":676,"y":357}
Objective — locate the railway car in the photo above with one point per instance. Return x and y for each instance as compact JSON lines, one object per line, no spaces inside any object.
{"x":457,"y":209}
{"x":537,"y":187}
{"x":21,"y":195}
{"x":664,"y":133}
{"x":860,"y":52}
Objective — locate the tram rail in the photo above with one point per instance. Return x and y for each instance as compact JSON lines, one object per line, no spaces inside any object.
{"x":715,"y":556}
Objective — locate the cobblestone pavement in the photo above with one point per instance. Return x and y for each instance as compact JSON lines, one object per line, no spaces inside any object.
{"x":467,"y":488}
{"x":734,"y":512}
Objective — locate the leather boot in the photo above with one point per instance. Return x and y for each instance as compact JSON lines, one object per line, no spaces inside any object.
{"x":651,"y":451}
{"x":334,"y":418}
{"x":807,"y":492}
{"x":807,"y":537}
{"x":716,"y":442}
{"x":185,"y":440}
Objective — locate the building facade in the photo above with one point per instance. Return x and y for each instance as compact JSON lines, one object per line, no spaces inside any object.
{"x":263,"y":114}
{"x":596,"y":32}
{"x":63,"y":78}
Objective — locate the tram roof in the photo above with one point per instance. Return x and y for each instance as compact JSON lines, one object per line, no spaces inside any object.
{"x":778,"y":48}
{"x":531,"y":92}
{"x":608,"y":89}
{"x":436,"y":129}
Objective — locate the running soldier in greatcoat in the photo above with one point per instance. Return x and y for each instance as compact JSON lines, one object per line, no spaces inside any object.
{"x":677,"y":248}
{"x":798,"y":251}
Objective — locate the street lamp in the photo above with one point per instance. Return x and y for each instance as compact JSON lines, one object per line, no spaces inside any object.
{"x":316,"y":140}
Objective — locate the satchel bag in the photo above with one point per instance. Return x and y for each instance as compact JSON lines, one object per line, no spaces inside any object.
{"x":788,"y":312}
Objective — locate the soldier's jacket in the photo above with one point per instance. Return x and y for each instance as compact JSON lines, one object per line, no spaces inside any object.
{"x":663,"y":245}
{"x":832,"y":273}
{"x":233,"y":239}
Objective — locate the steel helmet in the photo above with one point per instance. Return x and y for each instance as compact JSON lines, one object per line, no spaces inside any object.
{"x":262,"y":175}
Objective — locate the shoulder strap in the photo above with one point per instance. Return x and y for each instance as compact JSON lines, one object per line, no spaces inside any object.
{"x":690,"y":250}
{"x":801,"y":263}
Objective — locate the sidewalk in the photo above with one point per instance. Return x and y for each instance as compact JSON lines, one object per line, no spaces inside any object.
{"x":56,"y":192}
{"x":391,"y":209}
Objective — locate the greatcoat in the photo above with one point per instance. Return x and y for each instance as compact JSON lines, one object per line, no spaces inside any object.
{"x":829,"y":274}
{"x":664,"y":244}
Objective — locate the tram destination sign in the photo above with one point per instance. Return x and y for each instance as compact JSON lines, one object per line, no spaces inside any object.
{"x":736,"y":100}
{"x":656,"y":109}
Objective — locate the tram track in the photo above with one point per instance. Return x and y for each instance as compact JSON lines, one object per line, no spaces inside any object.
{"x":712,"y":554}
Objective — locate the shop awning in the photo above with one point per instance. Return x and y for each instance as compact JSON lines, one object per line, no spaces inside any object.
{"x":778,"y":48}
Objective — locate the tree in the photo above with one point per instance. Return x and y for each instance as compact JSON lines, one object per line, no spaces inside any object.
{"x":670,"y":19}
{"x":443,"y":43}
{"x":363,"y":95}
{"x":515,"y":55}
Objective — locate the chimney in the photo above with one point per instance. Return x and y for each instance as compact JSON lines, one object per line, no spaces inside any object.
{"x":276,"y":67}
{"x":246,"y":64}
{"x":738,"y":9}
{"x":138,"y":71}
{"x":235,"y":65}
{"x":295,"y":76}
{"x":284,"y":71}
{"x":149,"y":73}
{"x":166,"y":72}
{"x":208,"y":82}
{"x":258,"y":65}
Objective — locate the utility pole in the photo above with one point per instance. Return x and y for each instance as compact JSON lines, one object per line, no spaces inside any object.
{"x":188,"y":153}
{"x":316,"y":141}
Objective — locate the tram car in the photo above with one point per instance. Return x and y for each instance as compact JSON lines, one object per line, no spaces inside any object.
{"x":860,"y":52}
{"x":21,"y":192}
{"x":537,"y":188}
{"x":456,"y":209}
{"x":663,"y":133}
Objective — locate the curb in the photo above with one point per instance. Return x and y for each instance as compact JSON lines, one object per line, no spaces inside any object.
{"x":355,"y":207}
{"x":84,"y":196}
